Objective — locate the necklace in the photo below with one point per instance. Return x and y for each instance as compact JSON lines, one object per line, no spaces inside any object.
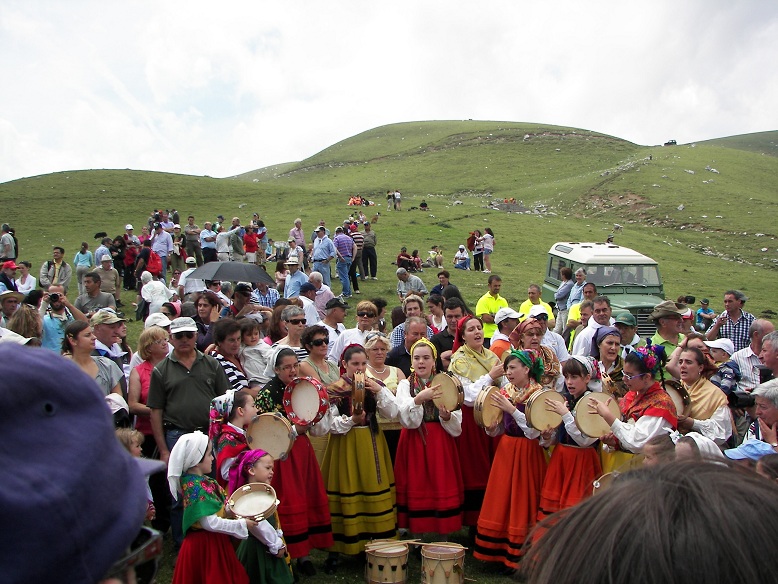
{"x":374,"y":370}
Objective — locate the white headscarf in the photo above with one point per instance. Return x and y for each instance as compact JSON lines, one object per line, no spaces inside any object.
{"x":592,"y":368}
{"x":709,"y":450}
{"x":270,"y":368}
{"x":188,"y":451}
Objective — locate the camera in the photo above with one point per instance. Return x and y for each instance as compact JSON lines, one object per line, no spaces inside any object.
{"x":740,"y":400}
{"x":765,"y":374}
{"x":54,"y":297}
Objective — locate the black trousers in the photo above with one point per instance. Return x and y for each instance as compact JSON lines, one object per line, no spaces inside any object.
{"x":370,"y":261}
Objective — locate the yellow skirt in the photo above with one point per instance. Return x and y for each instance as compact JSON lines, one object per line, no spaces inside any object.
{"x":359,"y":479}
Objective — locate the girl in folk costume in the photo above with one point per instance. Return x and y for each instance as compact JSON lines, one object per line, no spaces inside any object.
{"x":513,"y":494}
{"x":646,"y":410}
{"x":476,"y":368}
{"x":709,"y":413}
{"x":207,"y":554}
{"x":430,"y":492}
{"x":527,"y":336}
{"x":297,"y":480}
{"x":575,"y":461}
{"x":357,"y":466}
{"x":263,"y":554}
{"x":229,"y":416}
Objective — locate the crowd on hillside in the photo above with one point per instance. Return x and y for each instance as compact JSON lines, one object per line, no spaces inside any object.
{"x":432,"y":415}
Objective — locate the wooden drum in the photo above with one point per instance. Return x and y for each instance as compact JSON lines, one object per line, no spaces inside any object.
{"x":592,"y":424}
{"x":453,"y":392}
{"x":485,"y":412}
{"x":442,"y":563}
{"x":387,"y":562}
{"x":537,"y":415}
{"x":272,"y":433}
{"x":305,"y":401}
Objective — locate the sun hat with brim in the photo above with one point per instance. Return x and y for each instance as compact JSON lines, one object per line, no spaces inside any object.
{"x":183,"y":324}
{"x":626,"y":318}
{"x":750,"y":449}
{"x":292,"y":262}
{"x":11,"y":294}
{"x":723,"y":344}
{"x":105,"y":316}
{"x":668,"y":308}
{"x":106,"y":258}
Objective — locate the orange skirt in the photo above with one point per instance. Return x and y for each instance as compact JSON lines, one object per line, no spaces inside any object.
{"x":569,"y":478}
{"x":511,"y":503}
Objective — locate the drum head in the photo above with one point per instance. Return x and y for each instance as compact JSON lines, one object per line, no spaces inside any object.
{"x":592,"y":424}
{"x":305,"y":401}
{"x":271,"y":433}
{"x":253,"y":500}
{"x":386,"y":548}
{"x":538,"y":416}
{"x":453,"y":394}
{"x":442,"y":551}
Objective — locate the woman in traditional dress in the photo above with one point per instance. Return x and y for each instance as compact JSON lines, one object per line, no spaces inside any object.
{"x":606,"y":349}
{"x":430,"y":492}
{"x":709,"y":414}
{"x":575,"y":461}
{"x":377,"y":346}
{"x":527,"y":335}
{"x":357,"y":466}
{"x":512,"y":499}
{"x":297,"y":480}
{"x":476,"y":368}
{"x":646,"y":409}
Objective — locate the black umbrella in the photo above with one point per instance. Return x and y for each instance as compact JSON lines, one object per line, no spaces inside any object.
{"x":232,"y":272}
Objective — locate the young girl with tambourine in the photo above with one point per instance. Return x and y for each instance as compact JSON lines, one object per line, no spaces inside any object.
{"x":575,"y":461}
{"x":512,"y":496}
{"x":357,"y":467}
{"x":430,"y":492}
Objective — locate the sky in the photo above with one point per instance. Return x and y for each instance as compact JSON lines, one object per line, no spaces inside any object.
{"x":219,"y":89}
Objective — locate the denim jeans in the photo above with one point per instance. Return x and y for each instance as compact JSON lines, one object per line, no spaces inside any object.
{"x":324,"y":269}
{"x":343,"y":268}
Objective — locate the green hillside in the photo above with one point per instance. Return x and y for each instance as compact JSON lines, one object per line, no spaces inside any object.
{"x":581,"y":182}
{"x":759,"y":142}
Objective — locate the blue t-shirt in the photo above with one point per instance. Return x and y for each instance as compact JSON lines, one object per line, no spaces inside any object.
{"x":701,"y":322}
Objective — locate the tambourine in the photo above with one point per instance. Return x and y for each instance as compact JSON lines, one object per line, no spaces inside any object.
{"x":272,"y":433}
{"x":255,"y":501}
{"x":591,"y":423}
{"x":305,"y":401}
{"x":537,"y":415}
{"x":358,"y":394}
{"x":679,"y":395}
{"x":485,"y":412}
{"x":453,"y":394}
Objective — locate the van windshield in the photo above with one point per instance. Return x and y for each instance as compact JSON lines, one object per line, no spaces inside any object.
{"x":639,"y":275}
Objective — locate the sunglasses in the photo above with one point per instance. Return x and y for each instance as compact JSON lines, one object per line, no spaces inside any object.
{"x":185,"y":334}
{"x":631,"y":377}
{"x":143,"y":555}
{"x":297,"y":321}
{"x":320,"y":342}
{"x":540,"y":317}
{"x":366,"y":314}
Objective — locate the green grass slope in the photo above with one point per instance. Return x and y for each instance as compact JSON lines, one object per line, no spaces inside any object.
{"x":585,"y":182}
{"x":759,"y":142}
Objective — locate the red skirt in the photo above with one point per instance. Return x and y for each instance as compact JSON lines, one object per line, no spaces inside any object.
{"x":511,"y":503}
{"x":208,"y":557}
{"x":476,"y":452}
{"x":569,"y":479}
{"x":428,"y":480}
{"x":304,"y":511}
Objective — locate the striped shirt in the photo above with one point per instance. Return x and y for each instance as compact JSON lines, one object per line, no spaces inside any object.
{"x":359,"y":239}
{"x":235,"y":377}
{"x":748,"y":361}
{"x":737,"y":330}
{"x":268,"y":299}
{"x":344,"y":244}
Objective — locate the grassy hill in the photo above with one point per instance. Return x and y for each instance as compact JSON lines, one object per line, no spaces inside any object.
{"x":706,"y":228}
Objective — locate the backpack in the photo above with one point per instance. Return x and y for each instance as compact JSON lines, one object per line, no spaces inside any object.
{"x":154,"y":266}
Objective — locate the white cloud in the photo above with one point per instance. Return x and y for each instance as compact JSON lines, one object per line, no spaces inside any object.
{"x":186,"y":87}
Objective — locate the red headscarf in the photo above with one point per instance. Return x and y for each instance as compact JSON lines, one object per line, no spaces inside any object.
{"x":459,"y":336}
{"x":521,"y":328}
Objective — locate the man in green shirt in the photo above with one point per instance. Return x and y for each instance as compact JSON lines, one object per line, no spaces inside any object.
{"x":488,"y":305}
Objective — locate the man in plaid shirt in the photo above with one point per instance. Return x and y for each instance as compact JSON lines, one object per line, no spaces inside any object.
{"x":734,"y":322}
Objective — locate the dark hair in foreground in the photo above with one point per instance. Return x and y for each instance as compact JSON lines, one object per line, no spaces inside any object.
{"x":671,"y":523}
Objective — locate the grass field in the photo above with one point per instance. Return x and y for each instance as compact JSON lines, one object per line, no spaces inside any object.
{"x":709,"y":231}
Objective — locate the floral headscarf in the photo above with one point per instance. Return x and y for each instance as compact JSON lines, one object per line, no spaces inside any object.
{"x":219,"y":415}
{"x":653,"y":356}
{"x":521,"y":328}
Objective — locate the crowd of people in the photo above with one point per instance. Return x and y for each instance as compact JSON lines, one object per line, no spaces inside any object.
{"x":396,"y":459}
